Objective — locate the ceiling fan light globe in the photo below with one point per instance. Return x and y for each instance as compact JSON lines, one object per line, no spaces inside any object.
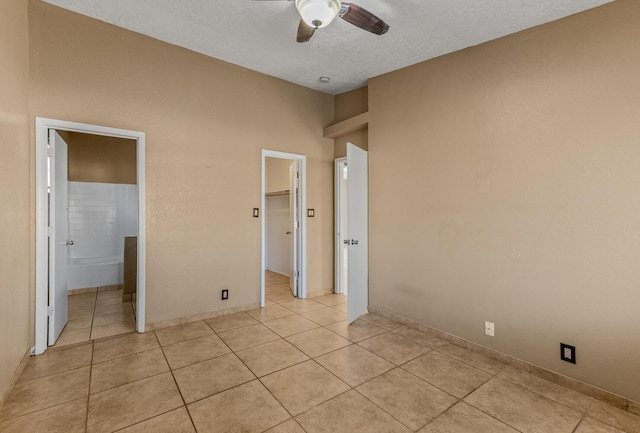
{"x":318,"y":13}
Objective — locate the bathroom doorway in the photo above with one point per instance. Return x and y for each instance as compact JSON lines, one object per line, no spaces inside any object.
{"x":104,"y":212}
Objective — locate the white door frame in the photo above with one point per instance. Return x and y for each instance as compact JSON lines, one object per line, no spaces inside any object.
{"x":337,"y":179}
{"x":42,"y":254}
{"x":302,"y":159}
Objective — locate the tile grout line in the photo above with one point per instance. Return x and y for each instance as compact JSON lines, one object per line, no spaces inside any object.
{"x":184,"y":402}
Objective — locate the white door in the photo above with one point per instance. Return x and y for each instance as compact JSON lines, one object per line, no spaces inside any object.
{"x":341,"y":246}
{"x":358,"y":231}
{"x":58,"y":239}
{"x":294,"y":227}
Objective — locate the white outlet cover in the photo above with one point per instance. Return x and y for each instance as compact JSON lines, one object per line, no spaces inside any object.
{"x":489,"y":329}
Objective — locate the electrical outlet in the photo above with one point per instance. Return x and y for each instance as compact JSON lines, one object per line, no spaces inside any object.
{"x":225,"y":294}
{"x":568,"y":353}
{"x":490,"y":329}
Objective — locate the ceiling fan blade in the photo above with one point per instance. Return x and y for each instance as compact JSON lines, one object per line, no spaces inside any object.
{"x":362,"y":18}
{"x":305,"y":31}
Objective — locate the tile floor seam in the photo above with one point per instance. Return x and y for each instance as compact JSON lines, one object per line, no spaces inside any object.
{"x":86,"y":417}
{"x":184,"y":402}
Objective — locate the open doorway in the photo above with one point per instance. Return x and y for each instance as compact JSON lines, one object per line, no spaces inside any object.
{"x":92,"y":265}
{"x":283,"y":234}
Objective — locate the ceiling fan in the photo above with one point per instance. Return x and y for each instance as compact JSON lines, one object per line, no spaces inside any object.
{"x":317,"y":14}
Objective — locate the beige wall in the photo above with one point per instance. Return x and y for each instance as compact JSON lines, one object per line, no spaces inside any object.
{"x":277,"y":174}
{"x":348,"y":105}
{"x":97,"y":158}
{"x":505,"y":186}
{"x":206,"y":122}
{"x":15,"y":317}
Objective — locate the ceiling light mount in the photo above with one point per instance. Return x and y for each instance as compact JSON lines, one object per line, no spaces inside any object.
{"x":318,"y":13}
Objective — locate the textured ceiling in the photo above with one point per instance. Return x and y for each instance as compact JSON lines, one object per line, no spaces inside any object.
{"x":261,"y":35}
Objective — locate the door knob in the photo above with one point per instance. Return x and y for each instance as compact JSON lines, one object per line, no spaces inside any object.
{"x":67,"y":243}
{"x":346,"y":241}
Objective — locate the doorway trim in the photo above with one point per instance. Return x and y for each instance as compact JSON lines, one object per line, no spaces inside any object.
{"x":42,"y":253}
{"x":302,"y":159}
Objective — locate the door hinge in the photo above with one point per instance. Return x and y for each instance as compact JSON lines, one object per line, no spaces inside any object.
{"x":50,"y":231}
{"x":49,"y":311}
{"x":49,"y":152}
{"x":297,"y":274}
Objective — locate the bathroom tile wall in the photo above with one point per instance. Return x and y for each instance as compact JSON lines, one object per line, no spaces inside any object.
{"x":100,"y":216}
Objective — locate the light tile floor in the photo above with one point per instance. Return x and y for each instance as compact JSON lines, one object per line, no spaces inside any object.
{"x":282,"y":370}
{"x":95,"y":315}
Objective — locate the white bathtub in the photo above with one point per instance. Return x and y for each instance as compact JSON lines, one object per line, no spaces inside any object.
{"x":94,"y":272}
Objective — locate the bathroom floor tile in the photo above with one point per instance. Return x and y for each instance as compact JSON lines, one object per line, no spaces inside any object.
{"x":191,"y":351}
{"x":104,"y":302}
{"x":354,"y":365}
{"x":408,"y":399}
{"x":269,"y":357}
{"x":463,"y":418}
{"x":68,"y":337}
{"x":394,"y":348}
{"x":105,"y":319}
{"x":349,"y":413}
{"x":303,"y":386}
{"x":206,"y":378}
{"x":102,"y":331}
{"x":129,"y":404}
{"x":522,"y":409}
{"x":248,"y":408}
{"x":448,"y":374}
{"x":76,"y":324}
{"x":114,"y":308}
{"x":80,"y":313}
{"x":187,"y":331}
{"x":318,"y":342}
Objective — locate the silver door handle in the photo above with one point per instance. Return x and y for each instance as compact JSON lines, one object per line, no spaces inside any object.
{"x":346,"y":241}
{"x":354,"y":242}
{"x":69,"y":243}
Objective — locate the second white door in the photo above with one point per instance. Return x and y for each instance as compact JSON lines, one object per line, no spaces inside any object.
{"x":357,"y":232}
